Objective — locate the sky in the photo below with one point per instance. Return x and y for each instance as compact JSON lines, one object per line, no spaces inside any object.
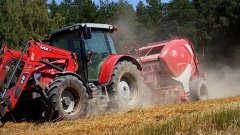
{"x":134,"y":2}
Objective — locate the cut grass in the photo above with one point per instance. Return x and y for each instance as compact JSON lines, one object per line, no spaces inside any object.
{"x":219,"y":116}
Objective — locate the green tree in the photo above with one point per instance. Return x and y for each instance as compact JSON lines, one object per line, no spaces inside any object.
{"x":181,"y":19}
{"x":66,"y":9}
{"x":78,"y":11}
{"x":107,"y":11}
{"x":12,"y":28}
{"x":1,"y":22}
{"x":56,"y":19}
{"x":219,"y":25}
{"x":54,"y":9}
{"x":21,"y":19}
{"x":36,"y":18}
{"x":145,"y":30}
{"x":151,"y":18}
{"x":142,"y":13}
{"x":154,"y":8}
{"x":86,"y":11}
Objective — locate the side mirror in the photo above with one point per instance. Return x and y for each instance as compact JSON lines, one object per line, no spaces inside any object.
{"x":89,"y":57}
{"x":87,"y":32}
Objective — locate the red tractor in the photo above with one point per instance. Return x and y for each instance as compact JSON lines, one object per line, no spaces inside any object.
{"x":79,"y":64}
{"x":171,"y":68}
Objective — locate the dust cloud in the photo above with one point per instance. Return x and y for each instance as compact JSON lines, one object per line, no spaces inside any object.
{"x":223,"y":82}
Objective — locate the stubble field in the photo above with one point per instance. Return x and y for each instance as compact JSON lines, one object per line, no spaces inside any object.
{"x":216,"y":116}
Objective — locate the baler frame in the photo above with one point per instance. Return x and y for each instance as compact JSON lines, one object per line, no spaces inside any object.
{"x":150,"y":69}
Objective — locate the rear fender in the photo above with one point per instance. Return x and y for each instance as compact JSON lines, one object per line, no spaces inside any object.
{"x":109,"y":64}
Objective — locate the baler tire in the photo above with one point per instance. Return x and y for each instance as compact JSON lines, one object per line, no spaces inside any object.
{"x":125,"y":74}
{"x":198,"y":90}
{"x":64,"y":92}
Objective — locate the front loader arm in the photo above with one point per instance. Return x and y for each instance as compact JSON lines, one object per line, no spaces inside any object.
{"x":37,"y":55}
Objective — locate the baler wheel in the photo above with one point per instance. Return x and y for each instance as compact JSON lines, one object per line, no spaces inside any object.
{"x":198,"y":90}
{"x":68,"y":99}
{"x":125,"y":87}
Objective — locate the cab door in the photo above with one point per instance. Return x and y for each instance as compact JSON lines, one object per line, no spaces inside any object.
{"x":100,"y":52}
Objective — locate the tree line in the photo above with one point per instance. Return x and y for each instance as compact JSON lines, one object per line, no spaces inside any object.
{"x":212,"y":25}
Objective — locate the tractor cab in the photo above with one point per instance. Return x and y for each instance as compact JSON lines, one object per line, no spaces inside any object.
{"x":91,"y":42}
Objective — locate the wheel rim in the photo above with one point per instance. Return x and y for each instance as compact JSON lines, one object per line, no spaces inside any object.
{"x":70,"y":101}
{"x":124,"y":90}
{"x":203,"y":92}
{"x":128,"y":89}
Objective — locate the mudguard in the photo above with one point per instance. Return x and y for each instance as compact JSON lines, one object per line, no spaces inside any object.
{"x":109,"y":64}
{"x":84,"y":81}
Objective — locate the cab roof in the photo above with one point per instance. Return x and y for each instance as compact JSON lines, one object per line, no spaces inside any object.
{"x":105,"y":27}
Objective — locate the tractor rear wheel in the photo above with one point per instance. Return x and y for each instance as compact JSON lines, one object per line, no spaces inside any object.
{"x":125,"y":87}
{"x":198,"y":90}
{"x":68,"y":99}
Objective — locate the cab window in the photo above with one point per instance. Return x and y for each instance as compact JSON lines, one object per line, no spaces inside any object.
{"x":111,"y":44}
{"x":67,"y":41}
{"x":98,"y":45}
{"x":70,"y":42}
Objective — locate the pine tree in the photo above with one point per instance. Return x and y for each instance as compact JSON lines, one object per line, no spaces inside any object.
{"x":154,"y":8}
{"x":56,"y":19}
{"x":107,"y":11}
{"x":54,"y":9}
{"x":151,"y":18}
{"x":66,"y":9}
{"x":181,"y":19}
{"x":142,"y":13}
{"x":86,"y":11}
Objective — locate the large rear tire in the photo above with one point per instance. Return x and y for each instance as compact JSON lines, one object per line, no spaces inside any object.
{"x":125,"y":87}
{"x":198,"y":90}
{"x":68,"y":99}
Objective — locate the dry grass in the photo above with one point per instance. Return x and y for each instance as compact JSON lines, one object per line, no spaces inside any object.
{"x":219,"y":116}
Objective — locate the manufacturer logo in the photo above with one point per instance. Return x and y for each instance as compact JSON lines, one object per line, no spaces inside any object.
{"x":174,"y":53}
{"x":45,"y":48}
{"x":23,"y":79}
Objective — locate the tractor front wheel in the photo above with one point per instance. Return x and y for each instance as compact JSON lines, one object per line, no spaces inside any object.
{"x":68,"y":99}
{"x":125,"y":88}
